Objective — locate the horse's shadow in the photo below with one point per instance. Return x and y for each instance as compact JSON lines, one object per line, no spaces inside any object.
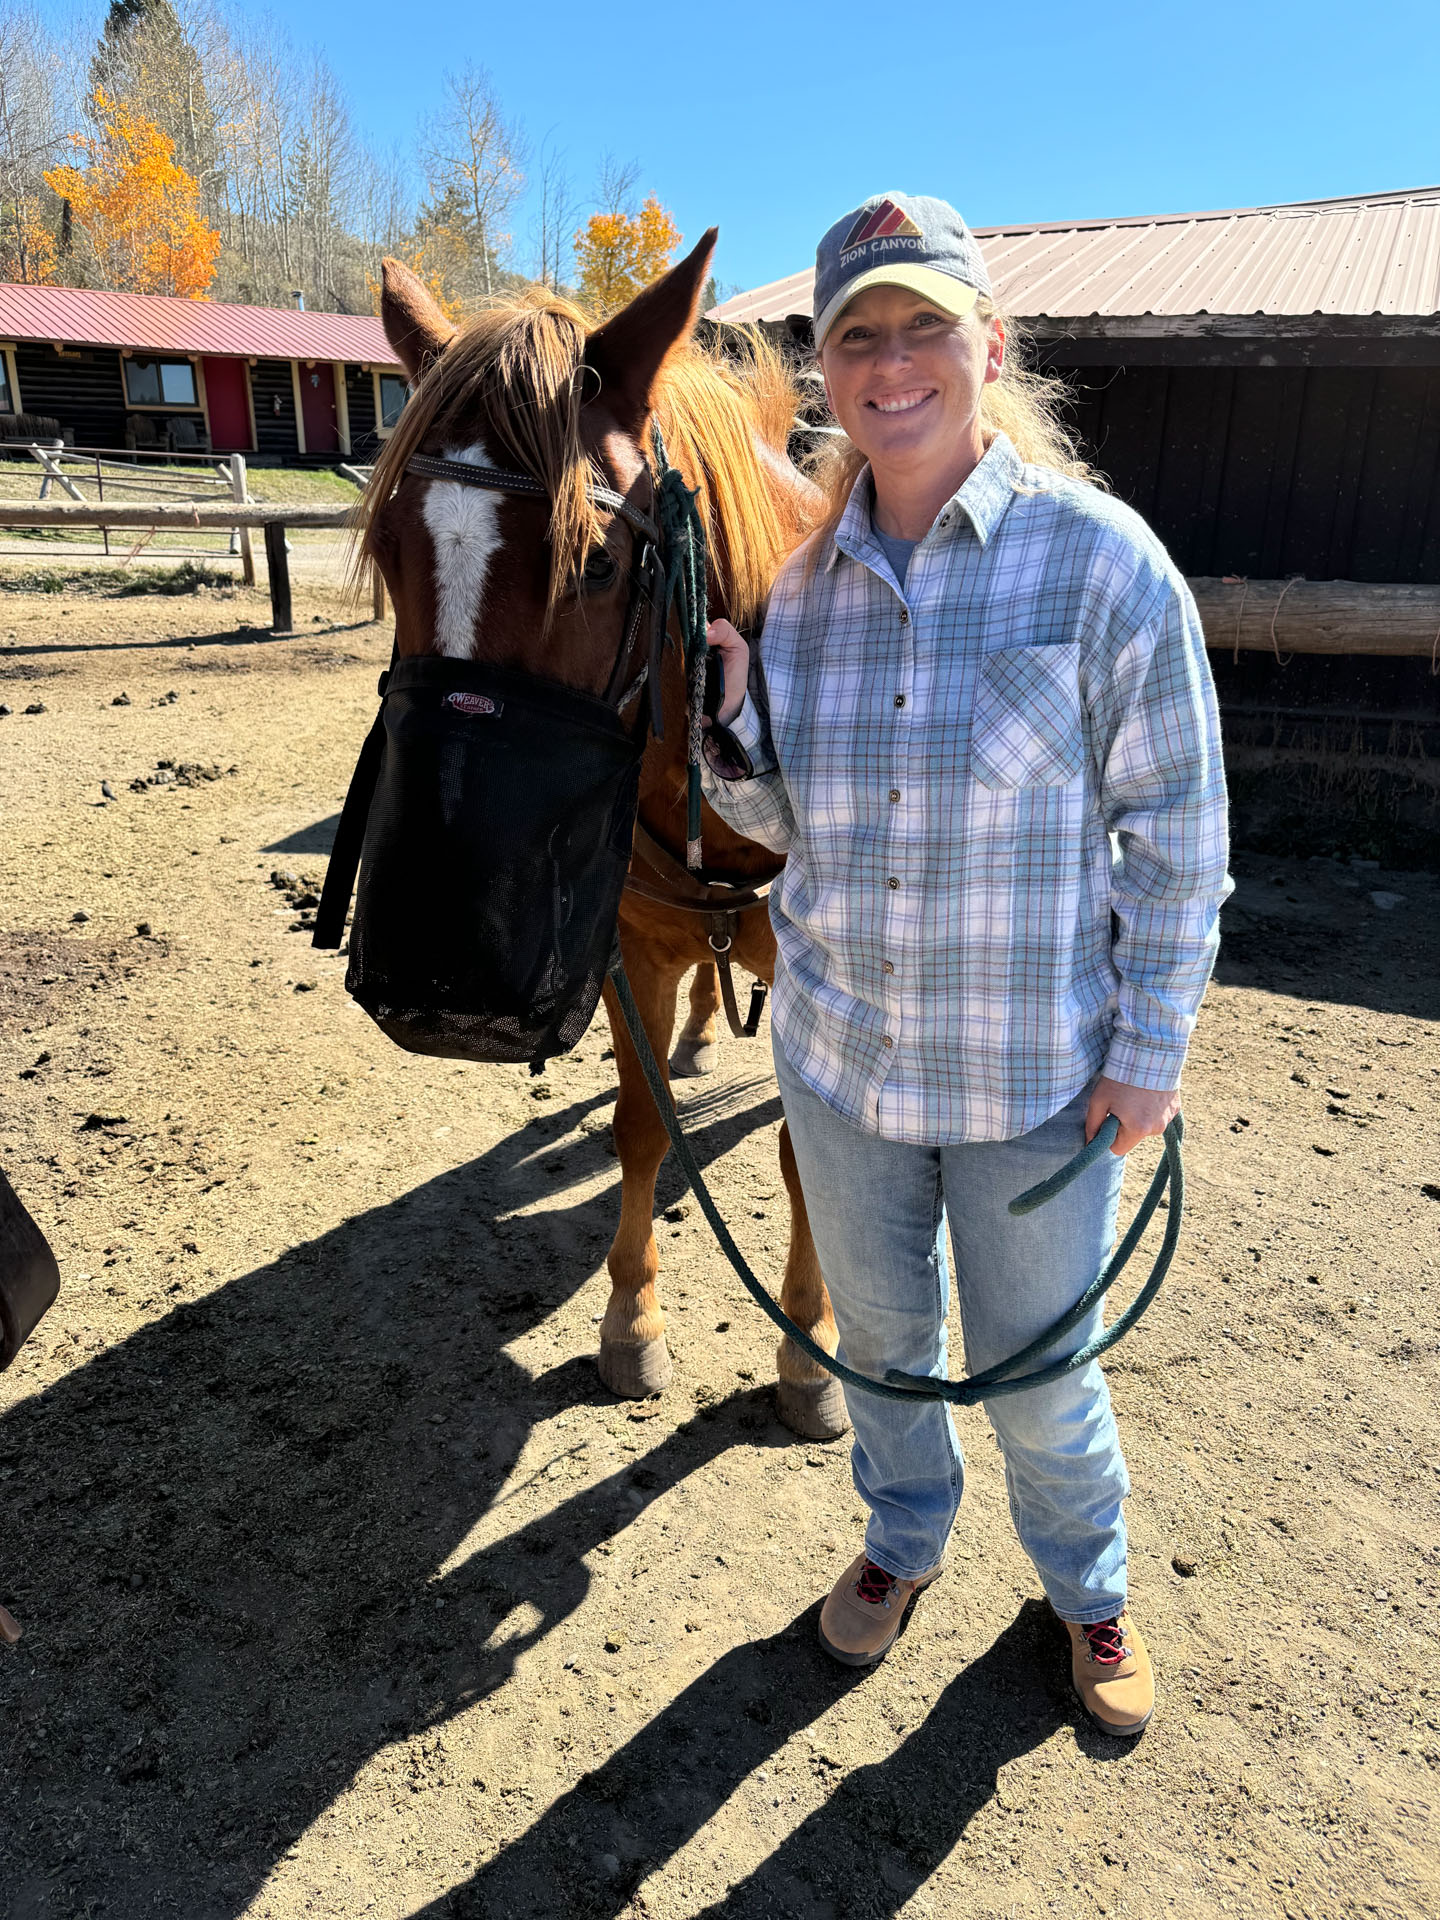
{"x":224,"y":1536}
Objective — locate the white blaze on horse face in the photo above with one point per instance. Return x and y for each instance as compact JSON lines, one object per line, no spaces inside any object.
{"x":464,"y":523}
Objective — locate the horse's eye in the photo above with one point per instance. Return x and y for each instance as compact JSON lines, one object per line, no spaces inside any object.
{"x":599,"y":571}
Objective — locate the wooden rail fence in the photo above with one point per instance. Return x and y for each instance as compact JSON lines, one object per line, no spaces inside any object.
{"x":273,"y":519}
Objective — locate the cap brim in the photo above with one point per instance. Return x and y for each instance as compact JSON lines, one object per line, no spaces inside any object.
{"x":949,"y":294}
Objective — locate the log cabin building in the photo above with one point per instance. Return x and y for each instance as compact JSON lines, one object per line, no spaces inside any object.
{"x":131,"y":371}
{"x":1263,"y":385}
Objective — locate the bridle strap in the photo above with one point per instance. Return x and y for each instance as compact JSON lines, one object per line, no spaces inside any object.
{"x":501,"y":480}
{"x":645,"y":572}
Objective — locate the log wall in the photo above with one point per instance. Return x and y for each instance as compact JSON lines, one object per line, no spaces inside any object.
{"x":1328,"y":471}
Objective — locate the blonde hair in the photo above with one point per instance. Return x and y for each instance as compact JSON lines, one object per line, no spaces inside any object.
{"x":1025,"y":405}
{"x":517,"y":372}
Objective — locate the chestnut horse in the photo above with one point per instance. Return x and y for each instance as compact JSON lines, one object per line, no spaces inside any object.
{"x":542,"y":584}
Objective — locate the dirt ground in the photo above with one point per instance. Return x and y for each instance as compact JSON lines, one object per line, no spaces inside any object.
{"x":348,"y":1591}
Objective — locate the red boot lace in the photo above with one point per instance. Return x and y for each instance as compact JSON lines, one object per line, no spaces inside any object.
{"x":874,"y":1584}
{"x":1106,"y":1640}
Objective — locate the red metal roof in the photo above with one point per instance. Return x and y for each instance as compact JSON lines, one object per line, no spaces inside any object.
{"x":160,"y":325}
{"x":1372,"y":254}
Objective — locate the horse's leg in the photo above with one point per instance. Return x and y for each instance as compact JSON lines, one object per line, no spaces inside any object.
{"x":697,"y":1050}
{"x":634,"y":1360}
{"x":807,"y":1399}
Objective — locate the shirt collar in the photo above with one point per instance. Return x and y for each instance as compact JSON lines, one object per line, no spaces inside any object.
{"x":983,"y":499}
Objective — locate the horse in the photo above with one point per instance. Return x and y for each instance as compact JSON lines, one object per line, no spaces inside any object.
{"x":541,"y":582}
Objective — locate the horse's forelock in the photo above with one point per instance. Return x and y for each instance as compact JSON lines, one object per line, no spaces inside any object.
{"x":514,"y":377}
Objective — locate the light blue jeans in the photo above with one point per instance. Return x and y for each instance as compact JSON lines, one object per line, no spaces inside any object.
{"x":878,"y":1209}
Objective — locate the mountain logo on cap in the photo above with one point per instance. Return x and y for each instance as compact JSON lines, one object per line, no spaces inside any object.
{"x":880,"y":223}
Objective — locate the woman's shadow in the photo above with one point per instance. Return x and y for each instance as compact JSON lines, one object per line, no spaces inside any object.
{"x":879,"y":1831}
{"x":224,"y":1536}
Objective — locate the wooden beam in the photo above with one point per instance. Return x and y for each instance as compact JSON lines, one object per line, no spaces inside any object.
{"x":38,"y":513}
{"x":1319,"y":616}
{"x":1303,"y":327}
{"x":238,"y":487}
{"x":277,"y":565}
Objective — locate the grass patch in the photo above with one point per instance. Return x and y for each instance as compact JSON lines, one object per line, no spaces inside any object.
{"x":320,"y":486}
{"x":188,"y":577}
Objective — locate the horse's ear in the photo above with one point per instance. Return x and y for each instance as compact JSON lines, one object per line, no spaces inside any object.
{"x":413,"y":322}
{"x":630,"y":349}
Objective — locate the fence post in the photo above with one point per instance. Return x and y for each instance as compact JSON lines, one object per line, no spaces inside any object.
{"x":247,"y":550}
{"x":279,"y":570}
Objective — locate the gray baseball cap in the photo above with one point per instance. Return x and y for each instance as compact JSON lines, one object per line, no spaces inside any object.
{"x":898,"y":240}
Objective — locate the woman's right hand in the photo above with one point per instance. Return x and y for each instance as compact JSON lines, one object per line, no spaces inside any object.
{"x":733,"y":650}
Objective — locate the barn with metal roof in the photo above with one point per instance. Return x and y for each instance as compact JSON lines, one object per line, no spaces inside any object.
{"x":1263,"y":384}
{"x":132,"y":370}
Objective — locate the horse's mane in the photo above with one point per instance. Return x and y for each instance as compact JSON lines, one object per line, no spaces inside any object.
{"x":515,"y":375}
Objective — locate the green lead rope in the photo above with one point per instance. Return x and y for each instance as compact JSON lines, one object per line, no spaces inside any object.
{"x":995,"y":1380}
{"x":686,"y":588}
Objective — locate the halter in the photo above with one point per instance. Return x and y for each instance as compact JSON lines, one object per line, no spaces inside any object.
{"x":669,"y":569}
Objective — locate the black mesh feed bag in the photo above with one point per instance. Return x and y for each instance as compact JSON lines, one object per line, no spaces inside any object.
{"x":491,"y":816}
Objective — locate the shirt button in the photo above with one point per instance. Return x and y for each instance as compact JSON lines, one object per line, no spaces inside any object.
{"x":888,"y":966}
{"x":887,"y":1041}
{"x":894,"y":793}
{"x":904,"y":618}
{"x":899,"y":699}
{"x":892,"y":881}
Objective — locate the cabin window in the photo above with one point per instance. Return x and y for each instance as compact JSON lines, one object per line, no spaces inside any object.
{"x":7,"y":391}
{"x":393,"y":394}
{"x":160,"y":383}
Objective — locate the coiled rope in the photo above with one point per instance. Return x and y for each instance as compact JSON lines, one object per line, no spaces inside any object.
{"x":992,"y":1381}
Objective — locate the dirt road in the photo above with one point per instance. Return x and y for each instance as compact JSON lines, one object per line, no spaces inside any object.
{"x":348,"y":1591}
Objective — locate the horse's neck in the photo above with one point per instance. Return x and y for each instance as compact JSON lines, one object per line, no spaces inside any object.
{"x":803,"y":491}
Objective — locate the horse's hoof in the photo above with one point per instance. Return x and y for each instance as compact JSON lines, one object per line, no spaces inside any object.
{"x":692,"y":1058}
{"x":815,"y":1409}
{"x":635,"y":1369}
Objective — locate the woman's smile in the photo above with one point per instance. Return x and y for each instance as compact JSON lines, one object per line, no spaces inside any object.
{"x":904,"y":402}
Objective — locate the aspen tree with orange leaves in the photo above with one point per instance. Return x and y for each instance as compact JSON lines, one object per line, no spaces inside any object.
{"x":27,"y":246}
{"x":617,"y":255}
{"x":138,"y":208}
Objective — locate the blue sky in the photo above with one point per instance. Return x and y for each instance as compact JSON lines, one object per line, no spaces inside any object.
{"x":771,"y":121}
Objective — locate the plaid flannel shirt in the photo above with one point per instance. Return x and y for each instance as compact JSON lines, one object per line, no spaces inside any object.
{"x":944,"y":767}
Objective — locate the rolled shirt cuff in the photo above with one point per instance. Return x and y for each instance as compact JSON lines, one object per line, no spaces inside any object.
{"x":749,"y":732}
{"x":1144,"y":1063}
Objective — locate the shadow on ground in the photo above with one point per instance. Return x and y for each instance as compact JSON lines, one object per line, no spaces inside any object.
{"x":879,"y":1835}
{"x":1304,"y":937}
{"x":223,"y":1536}
{"x":318,"y":837}
{"x":233,"y":636}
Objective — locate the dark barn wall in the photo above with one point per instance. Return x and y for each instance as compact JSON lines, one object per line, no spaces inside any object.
{"x":360,"y":399}
{"x":1329,"y":472}
{"x":275,"y":435}
{"x":85,"y":395}
{"x":1332,"y":472}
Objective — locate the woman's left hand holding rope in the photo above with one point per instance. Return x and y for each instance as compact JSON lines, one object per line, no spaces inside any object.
{"x":1141,"y":1111}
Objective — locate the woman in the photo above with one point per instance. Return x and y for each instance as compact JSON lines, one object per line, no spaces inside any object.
{"x":978,"y":670}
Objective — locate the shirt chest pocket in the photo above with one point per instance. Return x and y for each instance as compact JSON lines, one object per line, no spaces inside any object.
{"x":1027,"y":729}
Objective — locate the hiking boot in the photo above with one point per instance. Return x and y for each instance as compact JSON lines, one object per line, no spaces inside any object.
{"x":865,"y":1610}
{"x":1112,"y":1674}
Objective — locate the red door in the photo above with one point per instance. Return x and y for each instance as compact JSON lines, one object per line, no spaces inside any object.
{"x":317,"y":404}
{"x":227,"y":398}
